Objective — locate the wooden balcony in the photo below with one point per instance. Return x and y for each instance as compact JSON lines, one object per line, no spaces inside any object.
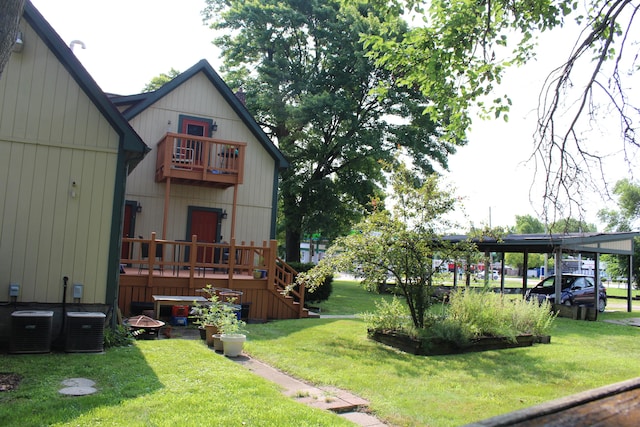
{"x":197,"y":160}
{"x":184,"y":268}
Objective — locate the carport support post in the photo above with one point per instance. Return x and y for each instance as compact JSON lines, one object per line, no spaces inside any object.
{"x":596,"y":272}
{"x":629,"y":282}
{"x":558,"y":278}
{"x":525,"y":271}
{"x":487,"y":268}
{"x":501,"y":272}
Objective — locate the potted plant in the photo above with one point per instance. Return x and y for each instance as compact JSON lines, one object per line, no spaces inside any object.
{"x":259,"y":272}
{"x":208,"y":316}
{"x":232,"y":331}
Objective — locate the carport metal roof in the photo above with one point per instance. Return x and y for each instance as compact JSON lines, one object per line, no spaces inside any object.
{"x":602,"y":243}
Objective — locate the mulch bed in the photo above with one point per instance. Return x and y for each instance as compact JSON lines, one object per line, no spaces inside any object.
{"x":9,"y":381}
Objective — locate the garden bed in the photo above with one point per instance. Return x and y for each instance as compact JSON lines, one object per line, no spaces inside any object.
{"x":437,"y":347}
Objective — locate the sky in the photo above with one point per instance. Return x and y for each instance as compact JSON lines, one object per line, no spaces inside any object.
{"x":128,"y":42}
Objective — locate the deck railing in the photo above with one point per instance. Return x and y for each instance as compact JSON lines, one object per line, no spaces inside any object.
{"x":197,"y":258}
{"x":201,"y":159}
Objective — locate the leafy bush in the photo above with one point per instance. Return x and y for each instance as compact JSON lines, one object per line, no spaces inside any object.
{"x":449,"y":330}
{"x":489,"y":314}
{"x":532,"y":317}
{"x":483,"y":313}
{"x":471,"y":314}
{"x":390,"y":317}
{"x":320,"y":293}
{"x":120,"y":336}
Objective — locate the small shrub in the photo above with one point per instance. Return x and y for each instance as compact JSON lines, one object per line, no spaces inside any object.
{"x":120,"y":336}
{"x":483,"y":314}
{"x":449,"y":330}
{"x":530,"y":317}
{"x":390,"y":316}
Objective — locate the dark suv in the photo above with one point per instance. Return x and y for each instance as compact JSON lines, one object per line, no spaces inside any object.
{"x":577,"y":289}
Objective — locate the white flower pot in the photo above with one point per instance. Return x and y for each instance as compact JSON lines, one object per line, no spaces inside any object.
{"x":232,"y":344}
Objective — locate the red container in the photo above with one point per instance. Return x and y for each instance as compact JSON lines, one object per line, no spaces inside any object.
{"x":180,"y":311}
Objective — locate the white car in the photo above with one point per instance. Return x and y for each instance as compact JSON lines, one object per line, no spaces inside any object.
{"x":494,"y":275}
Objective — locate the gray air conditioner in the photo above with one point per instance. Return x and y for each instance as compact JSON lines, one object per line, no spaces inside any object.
{"x":84,"y":332}
{"x":31,"y":331}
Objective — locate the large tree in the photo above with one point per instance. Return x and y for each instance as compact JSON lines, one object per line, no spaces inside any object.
{"x":10,"y":14}
{"x":311,"y":86}
{"x":459,"y":52}
{"x":160,"y":80}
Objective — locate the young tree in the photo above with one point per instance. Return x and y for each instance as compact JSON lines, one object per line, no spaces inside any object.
{"x":463,"y":49}
{"x":403,"y":243}
{"x":310,"y":85}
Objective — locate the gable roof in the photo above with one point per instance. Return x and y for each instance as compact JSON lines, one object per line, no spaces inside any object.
{"x":131,"y":144}
{"x":140,"y":102}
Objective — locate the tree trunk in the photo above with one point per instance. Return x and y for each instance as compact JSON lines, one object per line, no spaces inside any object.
{"x":292,"y":218}
{"x":293,"y":243}
{"x":10,"y":14}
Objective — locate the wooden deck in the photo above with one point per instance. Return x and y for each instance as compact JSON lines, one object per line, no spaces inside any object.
{"x":202,"y":264}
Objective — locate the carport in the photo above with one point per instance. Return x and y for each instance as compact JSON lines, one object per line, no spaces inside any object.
{"x":558,"y":244}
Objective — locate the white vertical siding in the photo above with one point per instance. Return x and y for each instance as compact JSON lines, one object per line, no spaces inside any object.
{"x":51,"y":134}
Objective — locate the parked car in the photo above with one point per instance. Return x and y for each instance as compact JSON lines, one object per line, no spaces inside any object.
{"x":494,"y":275}
{"x":577,"y":289}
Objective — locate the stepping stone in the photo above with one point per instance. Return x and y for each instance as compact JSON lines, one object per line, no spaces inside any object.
{"x":78,"y":387}
{"x":78,"y":382}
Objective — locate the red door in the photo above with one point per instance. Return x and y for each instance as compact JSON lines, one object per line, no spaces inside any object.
{"x":204,"y":224}
{"x":197,"y":128}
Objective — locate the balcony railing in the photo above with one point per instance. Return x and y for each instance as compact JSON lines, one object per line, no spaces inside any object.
{"x":199,"y":160}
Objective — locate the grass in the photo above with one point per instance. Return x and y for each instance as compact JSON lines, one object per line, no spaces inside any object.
{"x":154,"y":383}
{"x":408,"y":390}
{"x":447,"y":390}
{"x":181,"y":382}
{"x":348,"y":298}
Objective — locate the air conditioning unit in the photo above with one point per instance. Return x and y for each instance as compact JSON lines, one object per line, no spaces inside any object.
{"x":84,"y":332}
{"x":31,"y":331}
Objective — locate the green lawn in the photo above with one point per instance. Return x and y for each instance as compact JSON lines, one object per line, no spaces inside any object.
{"x":154,"y":383}
{"x":181,"y":382}
{"x":447,"y":390}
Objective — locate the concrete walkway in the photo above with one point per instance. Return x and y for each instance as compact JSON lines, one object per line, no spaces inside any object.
{"x":343,"y":403}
